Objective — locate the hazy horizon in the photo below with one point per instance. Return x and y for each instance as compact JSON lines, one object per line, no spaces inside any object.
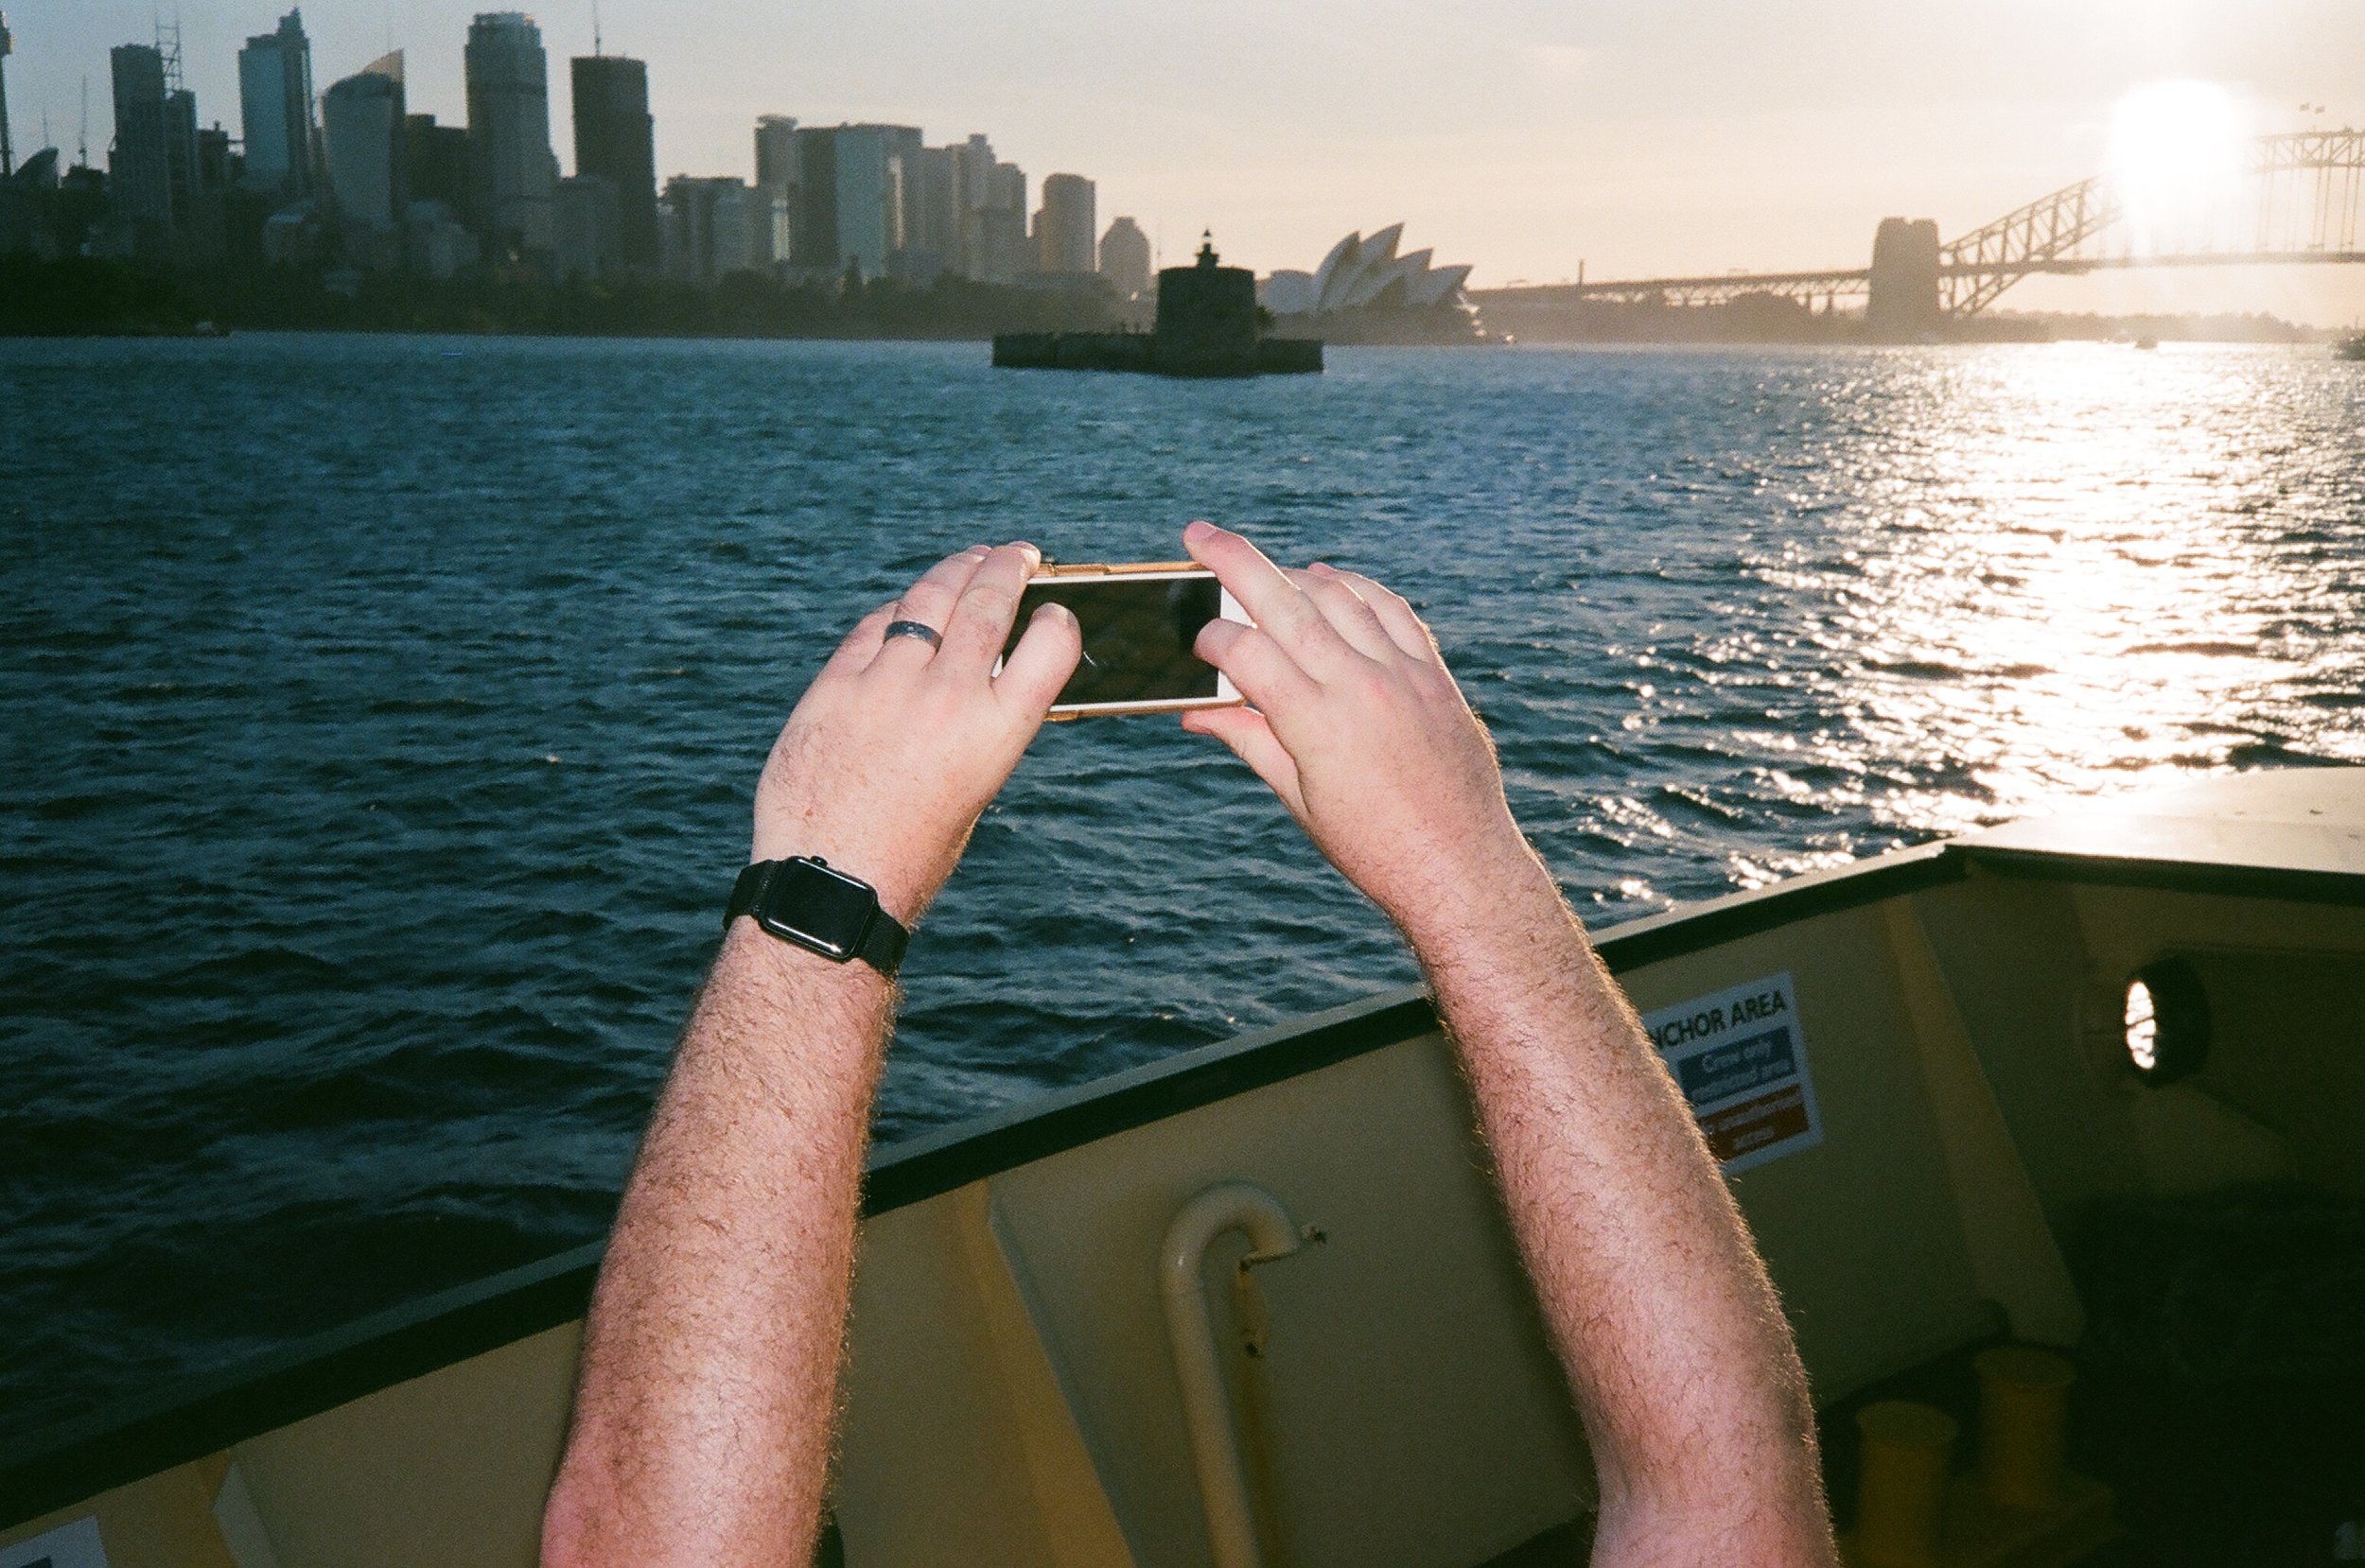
{"x":1696,"y":138}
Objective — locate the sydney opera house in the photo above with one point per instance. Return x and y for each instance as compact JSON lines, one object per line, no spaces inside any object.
{"x":1364,"y":292}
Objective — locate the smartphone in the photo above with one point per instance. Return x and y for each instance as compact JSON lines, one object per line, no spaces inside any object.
{"x":1139,"y":621}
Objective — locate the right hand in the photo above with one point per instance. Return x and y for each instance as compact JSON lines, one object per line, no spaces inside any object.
{"x":1360,"y":730}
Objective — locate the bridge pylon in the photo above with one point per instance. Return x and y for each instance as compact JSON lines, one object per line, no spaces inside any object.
{"x":1902,"y":298}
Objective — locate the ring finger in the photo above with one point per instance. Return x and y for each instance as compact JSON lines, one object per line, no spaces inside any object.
{"x":929,"y":603}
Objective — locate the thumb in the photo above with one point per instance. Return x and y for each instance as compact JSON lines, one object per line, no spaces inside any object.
{"x":1252,"y":740}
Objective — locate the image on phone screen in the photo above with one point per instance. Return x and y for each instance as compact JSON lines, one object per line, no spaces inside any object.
{"x":1138,"y":633}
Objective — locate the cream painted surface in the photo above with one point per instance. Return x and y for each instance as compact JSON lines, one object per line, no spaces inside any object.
{"x":1861,"y":1231}
{"x":2192,"y":1142}
{"x":1011,"y":1397}
{"x":242,"y":1523}
{"x":444,"y":1471}
{"x":2014,"y":1257}
{"x":952,"y":1447}
{"x":2287,"y":991}
{"x":1413,"y":1411}
{"x":161,"y":1521}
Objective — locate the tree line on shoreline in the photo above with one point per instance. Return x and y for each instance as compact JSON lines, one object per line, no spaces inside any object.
{"x":85,"y":297}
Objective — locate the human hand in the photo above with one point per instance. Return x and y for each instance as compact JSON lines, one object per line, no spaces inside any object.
{"x":897,"y":747}
{"x":1360,"y":730}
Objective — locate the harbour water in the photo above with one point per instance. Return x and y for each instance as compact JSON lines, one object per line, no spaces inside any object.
{"x":382,"y":715}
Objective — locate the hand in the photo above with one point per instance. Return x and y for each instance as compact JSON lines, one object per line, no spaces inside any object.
{"x":895,"y":747}
{"x":1360,"y":730}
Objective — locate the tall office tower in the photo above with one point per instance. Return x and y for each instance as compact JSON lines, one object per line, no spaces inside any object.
{"x":363,"y":130}
{"x":275,"y":105}
{"x":615,"y":141}
{"x":711,"y":228}
{"x":812,"y":211}
{"x":776,"y":180}
{"x":435,"y":162}
{"x":139,"y":169}
{"x":509,"y":131}
{"x":849,"y":195}
{"x":181,"y":149}
{"x":972,"y":175}
{"x":1124,"y":257}
{"x":218,"y":167}
{"x":999,"y":249}
{"x":586,"y":221}
{"x":7,"y":146}
{"x":1065,"y":229}
{"x":870,"y":194}
{"x":932,"y":218}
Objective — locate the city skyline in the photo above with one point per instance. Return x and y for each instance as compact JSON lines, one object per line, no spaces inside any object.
{"x":1527,"y":142}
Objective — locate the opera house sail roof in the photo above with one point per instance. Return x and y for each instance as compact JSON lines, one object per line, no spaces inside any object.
{"x":1367,"y":276}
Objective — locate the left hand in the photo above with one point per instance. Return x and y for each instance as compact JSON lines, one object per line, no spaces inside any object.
{"x":897,"y":747}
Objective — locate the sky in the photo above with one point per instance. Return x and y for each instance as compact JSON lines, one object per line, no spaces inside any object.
{"x":1522,"y":136}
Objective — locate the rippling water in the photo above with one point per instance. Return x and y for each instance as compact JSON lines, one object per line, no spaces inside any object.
{"x":381,"y":716}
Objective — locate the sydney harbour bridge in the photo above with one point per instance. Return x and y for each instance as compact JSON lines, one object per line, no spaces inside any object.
{"x":2300,"y":199}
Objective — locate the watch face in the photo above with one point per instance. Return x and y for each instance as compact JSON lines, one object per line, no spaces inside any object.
{"x":814,"y":907}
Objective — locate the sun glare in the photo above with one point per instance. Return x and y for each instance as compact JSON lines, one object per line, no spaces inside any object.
{"x":2175,"y":162}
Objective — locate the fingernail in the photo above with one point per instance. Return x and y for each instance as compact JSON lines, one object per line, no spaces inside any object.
{"x":1324,"y":569}
{"x":1201,"y":524}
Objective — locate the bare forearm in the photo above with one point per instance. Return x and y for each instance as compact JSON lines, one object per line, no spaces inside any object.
{"x":1681,"y":1361}
{"x":711,"y":1354}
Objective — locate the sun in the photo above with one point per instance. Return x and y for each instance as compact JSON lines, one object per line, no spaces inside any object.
{"x":2177,"y":155}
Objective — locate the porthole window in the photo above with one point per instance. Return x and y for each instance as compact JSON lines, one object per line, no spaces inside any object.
{"x":2164,"y":1021}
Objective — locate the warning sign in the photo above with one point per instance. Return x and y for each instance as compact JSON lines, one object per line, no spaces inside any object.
{"x":1741,"y":1059}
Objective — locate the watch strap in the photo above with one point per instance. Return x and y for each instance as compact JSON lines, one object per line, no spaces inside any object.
{"x":884,"y":937}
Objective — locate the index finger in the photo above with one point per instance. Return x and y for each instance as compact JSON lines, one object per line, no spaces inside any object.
{"x":1266,"y":592}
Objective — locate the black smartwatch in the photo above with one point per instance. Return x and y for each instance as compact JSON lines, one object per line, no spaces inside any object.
{"x":810,"y":903}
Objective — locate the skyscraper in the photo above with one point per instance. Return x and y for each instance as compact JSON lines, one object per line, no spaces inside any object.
{"x":972,"y":175}
{"x":509,"y":131}
{"x":1001,"y":252}
{"x":712,"y":228}
{"x":1124,"y":257}
{"x":813,"y":213}
{"x":435,"y":162}
{"x":363,"y":121}
{"x":870,"y":169}
{"x":932,"y":218}
{"x":7,"y":146}
{"x":180,"y":148}
{"x":850,"y":196}
{"x":777,"y":179}
{"x":776,"y":150}
{"x":139,"y":170}
{"x":588,"y":225}
{"x":615,"y":141}
{"x":276,"y":106}
{"x":1064,"y":228}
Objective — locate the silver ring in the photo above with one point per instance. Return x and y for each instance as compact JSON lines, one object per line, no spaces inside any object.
{"x":920,"y":629}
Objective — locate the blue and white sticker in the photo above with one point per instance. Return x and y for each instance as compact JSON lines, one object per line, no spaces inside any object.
{"x":1739,"y":1056}
{"x":75,"y":1545}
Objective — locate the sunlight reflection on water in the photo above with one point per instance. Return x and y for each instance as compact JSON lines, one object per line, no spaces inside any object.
{"x":2071,"y":572}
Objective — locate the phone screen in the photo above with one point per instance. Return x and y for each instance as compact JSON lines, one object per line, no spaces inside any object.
{"x":1137,"y":635}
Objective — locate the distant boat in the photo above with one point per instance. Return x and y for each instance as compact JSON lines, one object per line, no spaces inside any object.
{"x":2147,"y":342}
{"x":2350,"y":347}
